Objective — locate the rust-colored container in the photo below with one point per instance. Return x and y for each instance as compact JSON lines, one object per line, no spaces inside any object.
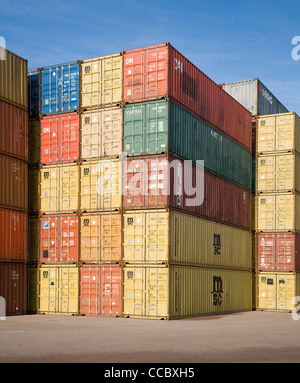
{"x":59,"y":238}
{"x":13,"y":287}
{"x":149,"y":184}
{"x":101,"y":290}
{"x":59,"y":138}
{"x":278,"y":252}
{"x":161,"y":71}
{"x":254,"y":122}
{"x":13,"y":239}
{"x":14,"y":183}
{"x":13,"y":131}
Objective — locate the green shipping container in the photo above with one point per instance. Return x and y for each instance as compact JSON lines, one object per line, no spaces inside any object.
{"x":162,"y":126}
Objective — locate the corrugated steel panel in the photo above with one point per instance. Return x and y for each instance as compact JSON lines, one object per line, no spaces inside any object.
{"x":59,"y":289}
{"x":101,"y":290}
{"x":101,"y":81}
{"x":163,"y":126}
{"x":13,"y":287}
{"x":59,"y":238}
{"x":161,"y":71}
{"x":34,"y":190}
{"x":101,"y":238}
{"x":255,"y":97}
{"x":101,"y":133}
{"x":59,"y":138}
{"x":276,"y":291}
{"x":278,"y":212}
{"x":14,"y":183}
{"x":34,"y":84}
{"x":101,"y":184}
{"x":34,"y":141}
{"x":280,"y":132}
{"x":13,"y":80}
{"x":278,"y":172}
{"x":13,"y":240}
{"x":59,"y":188}
{"x":32,"y":289}
{"x":156,"y":236}
{"x":278,"y":251}
{"x":60,"y":88}
{"x":33,"y":239}
{"x":160,"y":292}
{"x":13,"y":131}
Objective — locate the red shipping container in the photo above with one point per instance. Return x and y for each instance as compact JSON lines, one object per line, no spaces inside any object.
{"x":101,"y":290}
{"x":14,"y":232}
{"x":59,"y":138}
{"x":148,"y":183}
{"x":13,"y":287}
{"x":278,"y":252}
{"x":254,"y":122}
{"x":161,"y":71}
{"x":13,"y":131}
{"x":59,"y":238}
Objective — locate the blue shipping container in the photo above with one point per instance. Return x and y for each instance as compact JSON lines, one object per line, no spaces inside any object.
{"x":34,"y":93}
{"x":60,"y":88}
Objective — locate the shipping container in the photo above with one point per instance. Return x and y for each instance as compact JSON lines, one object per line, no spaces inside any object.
{"x":254,"y":182}
{"x":161,"y":71}
{"x":165,"y":181}
{"x":59,"y":138}
{"x":255,"y":97}
{"x":101,"y":133}
{"x":278,"y":172}
{"x":34,"y":142}
{"x":101,"y":290}
{"x":59,"y":289}
{"x":34,"y":189}
{"x":276,"y":291}
{"x":162,"y":126}
{"x":59,"y":188}
{"x":278,"y":133}
{"x":173,"y":292}
{"x":32,"y":289}
{"x":59,"y":238}
{"x":13,"y":240}
{"x":34,"y":84}
{"x":14,"y":183}
{"x":278,"y":252}
{"x":101,"y":237}
{"x":13,"y":287}
{"x":100,"y":183}
{"x":278,"y":212}
{"x":254,"y":135}
{"x":13,"y":131}
{"x":60,"y":88}
{"x":33,"y":239}
{"x":13,"y":80}
{"x":101,"y":81}
{"x":167,"y":236}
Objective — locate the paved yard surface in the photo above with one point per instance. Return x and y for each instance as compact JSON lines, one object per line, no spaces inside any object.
{"x":247,"y":337}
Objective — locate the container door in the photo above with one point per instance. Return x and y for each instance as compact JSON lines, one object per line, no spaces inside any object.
{"x":267,"y":288}
{"x":285,"y":291}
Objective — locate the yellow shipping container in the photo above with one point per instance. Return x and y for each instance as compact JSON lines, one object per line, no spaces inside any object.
{"x":34,"y":189}
{"x":101,"y":81}
{"x":34,"y":141}
{"x":101,"y":133}
{"x":276,"y":291}
{"x":101,"y":185}
{"x":101,"y":237}
{"x":278,"y":172}
{"x":170,"y":292}
{"x":59,"y":188}
{"x":13,"y":79}
{"x":278,"y":212}
{"x":156,"y":236}
{"x":59,"y":289}
{"x":278,"y":132}
{"x":33,"y":239}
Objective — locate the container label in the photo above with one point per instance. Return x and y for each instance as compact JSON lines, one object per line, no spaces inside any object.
{"x":46,"y":225}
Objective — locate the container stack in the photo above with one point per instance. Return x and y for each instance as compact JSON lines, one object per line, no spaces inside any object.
{"x":101,"y":118}
{"x":14,"y":183}
{"x":186,"y":197}
{"x":258,"y":99}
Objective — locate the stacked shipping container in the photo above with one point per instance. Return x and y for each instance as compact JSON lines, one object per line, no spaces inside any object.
{"x":14,"y":182}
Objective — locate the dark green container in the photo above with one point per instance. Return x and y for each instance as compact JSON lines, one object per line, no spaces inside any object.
{"x":163,"y":126}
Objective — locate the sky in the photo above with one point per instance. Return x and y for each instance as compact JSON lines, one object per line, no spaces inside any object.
{"x":228,"y":40}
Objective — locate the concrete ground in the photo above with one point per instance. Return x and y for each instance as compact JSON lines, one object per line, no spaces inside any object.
{"x":245,"y":337}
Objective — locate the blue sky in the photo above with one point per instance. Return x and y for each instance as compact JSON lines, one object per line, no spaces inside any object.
{"x":228,"y":40}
